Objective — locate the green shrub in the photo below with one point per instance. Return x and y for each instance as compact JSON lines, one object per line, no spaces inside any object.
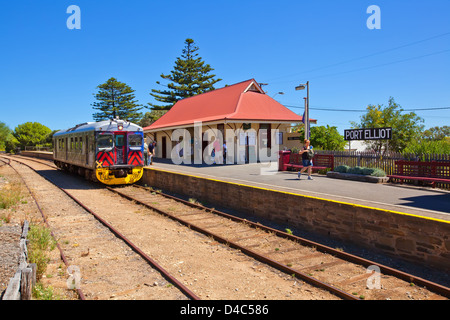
{"x":368,"y":171}
{"x":375,"y":172}
{"x":342,"y":169}
{"x":41,"y":243}
{"x":378,"y":173}
{"x":42,"y":293}
{"x":355,"y":170}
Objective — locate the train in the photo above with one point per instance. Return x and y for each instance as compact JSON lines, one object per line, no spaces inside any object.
{"x":109,"y":151}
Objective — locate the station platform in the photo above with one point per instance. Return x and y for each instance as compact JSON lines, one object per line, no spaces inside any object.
{"x":413,"y":200}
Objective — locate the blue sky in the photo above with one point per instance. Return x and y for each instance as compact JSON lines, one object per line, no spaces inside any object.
{"x":49,"y":73}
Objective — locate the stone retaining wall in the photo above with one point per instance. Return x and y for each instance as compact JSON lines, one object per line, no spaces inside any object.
{"x":410,"y":237}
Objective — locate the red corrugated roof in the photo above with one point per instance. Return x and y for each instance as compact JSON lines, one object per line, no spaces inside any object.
{"x":241,"y":101}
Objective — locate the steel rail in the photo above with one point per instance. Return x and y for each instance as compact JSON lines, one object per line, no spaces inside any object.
{"x":61,"y":252}
{"x":432,"y":286}
{"x":147,"y":258}
{"x":336,"y":291}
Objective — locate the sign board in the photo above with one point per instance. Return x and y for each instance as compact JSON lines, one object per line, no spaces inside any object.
{"x":368,"y":134}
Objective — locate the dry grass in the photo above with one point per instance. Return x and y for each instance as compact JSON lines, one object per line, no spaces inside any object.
{"x":11,"y":193}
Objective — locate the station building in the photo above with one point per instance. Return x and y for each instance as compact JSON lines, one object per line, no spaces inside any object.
{"x":240,"y":121}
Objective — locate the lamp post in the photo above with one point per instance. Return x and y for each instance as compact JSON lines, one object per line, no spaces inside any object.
{"x":306,"y":121}
{"x":277,"y":93}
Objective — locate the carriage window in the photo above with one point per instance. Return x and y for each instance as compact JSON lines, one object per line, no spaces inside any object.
{"x":135,"y":140}
{"x":105,"y":141}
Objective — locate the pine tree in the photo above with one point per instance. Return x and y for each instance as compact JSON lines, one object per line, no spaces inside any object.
{"x":190,"y":76}
{"x":116,"y":98}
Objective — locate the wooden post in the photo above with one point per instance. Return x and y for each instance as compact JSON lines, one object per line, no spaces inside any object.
{"x":26,"y":284}
{"x":13,"y":290}
{"x":33,"y":268}
{"x":26,"y":226}
{"x":20,"y":286}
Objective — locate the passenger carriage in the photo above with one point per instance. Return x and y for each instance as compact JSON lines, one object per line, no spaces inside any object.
{"x":108,"y":151}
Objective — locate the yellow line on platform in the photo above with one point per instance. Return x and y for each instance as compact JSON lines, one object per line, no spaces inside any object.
{"x":302,"y":195}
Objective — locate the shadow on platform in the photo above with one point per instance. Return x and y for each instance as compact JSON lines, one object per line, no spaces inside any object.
{"x":437,"y":202}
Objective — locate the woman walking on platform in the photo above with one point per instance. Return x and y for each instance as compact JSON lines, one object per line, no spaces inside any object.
{"x":307,"y":156}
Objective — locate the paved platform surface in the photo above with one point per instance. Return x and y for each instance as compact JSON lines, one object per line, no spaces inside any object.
{"x":420,"y":201}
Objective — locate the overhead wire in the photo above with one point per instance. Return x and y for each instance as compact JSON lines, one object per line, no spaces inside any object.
{"x":355,"y":110}
{"x":371,"y":55}
{"x":383,"y":64}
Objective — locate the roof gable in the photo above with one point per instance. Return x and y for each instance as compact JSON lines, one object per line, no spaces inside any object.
{"x":254,"y":86}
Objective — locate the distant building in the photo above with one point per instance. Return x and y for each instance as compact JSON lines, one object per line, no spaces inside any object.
{"x":244,"y":115}
{"x":356,"y":145}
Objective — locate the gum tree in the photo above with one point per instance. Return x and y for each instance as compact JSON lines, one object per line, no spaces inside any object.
{"x":406,"y":127}
{"x":32,"y":134}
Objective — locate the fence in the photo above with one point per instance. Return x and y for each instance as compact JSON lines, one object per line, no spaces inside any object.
{"x":20,"y":286}
{"x":38,"y":148}
{"x":385,"y":161}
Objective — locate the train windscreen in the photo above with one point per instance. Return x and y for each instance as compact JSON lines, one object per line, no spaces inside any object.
{"x":105,"y":141}
{"x":135,"y":140}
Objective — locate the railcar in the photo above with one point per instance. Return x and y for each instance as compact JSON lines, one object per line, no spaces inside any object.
{"x":108,"y":151}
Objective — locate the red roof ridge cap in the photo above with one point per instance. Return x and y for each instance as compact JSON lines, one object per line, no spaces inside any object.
{"x":237,"y":107}
{"x":226,"y":87}
{"x":238,"y":104}
{"x":239,"y":83}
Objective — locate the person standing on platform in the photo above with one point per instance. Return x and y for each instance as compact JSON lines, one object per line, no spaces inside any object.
{"x":151,"y":151}
{"x":145,"y":153}
{"x":307,"y":155}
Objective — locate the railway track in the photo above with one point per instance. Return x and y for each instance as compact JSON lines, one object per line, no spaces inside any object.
{"x":344,"y":275}
{"x":44,"y":217}
{"x":170,"y":278}
{"x":234,"y":276}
